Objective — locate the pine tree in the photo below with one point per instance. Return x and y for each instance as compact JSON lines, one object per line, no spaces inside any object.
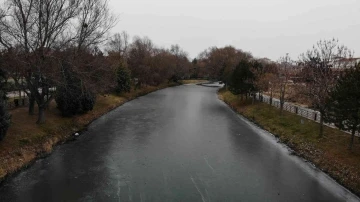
{"x":73,"y":97}
{"x":242,"y":79}
{"x":343,"y":106}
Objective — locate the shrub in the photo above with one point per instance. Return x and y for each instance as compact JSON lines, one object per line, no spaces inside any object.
{"x":343,"y":106}
{"x":5,"y":117}
{"x":242,"y":79}
{"x":72,"y":97}
{"x":87,"y":101}
{"x":123,"y":77}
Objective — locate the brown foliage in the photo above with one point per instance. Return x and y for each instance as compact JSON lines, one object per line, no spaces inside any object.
{"x":221,"y":62}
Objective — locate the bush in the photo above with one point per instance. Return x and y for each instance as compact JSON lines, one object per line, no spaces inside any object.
{"x":123,"y":77}
{"x":242,"y":79}
{"x":343,"y":106}
{"x":67,"y":101}
{"x":174,"y":78}
{"x":87,"y":101}
{"x":72,"y":97}
{"x":5,"y":117}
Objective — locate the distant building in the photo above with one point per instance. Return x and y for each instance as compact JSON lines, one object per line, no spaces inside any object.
{"x":344,"y":63}
{"x":339,"y":65}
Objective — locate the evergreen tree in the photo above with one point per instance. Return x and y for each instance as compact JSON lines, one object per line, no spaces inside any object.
{"x":5,"y":117}
{"x":242,"y":79}
{"x":73,"y":97}
{"x":343,"y":106}
{"x":123,"y":77}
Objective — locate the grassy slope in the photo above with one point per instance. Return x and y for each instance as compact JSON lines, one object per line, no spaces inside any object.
{"x":26,"y":141}
{"x":193,"y":81}
{"x":329,"y":153}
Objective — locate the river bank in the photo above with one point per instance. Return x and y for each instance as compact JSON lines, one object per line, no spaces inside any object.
{"x":26,"y":141}
{"x":329,"y":153}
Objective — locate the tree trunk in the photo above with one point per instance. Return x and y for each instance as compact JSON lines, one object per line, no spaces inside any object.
{"x":281,"y":107}
{"x":282,"y":99}
{"x":47,"y":98}
{"x":20,"y":97}
{"x":321,"y":132}
{"x":352,"y":139}
{"x":41,"y":116}
{"x":31,"y":105}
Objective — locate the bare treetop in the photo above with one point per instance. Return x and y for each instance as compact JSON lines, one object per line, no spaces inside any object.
{"x":321,"y":67}
{"x":328,"y":53}
{"x":54,"y":23}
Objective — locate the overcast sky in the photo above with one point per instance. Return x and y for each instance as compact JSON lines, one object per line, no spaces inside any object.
{"x":266,"y":28}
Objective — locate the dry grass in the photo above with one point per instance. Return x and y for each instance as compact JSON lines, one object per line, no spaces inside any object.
{"x":26,"y":141}
{"x":294,"y":93}
{"x":192,"y":81}
{"x":329,"y":153}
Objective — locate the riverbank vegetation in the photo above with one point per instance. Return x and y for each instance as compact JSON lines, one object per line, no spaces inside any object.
{"x":193,"y":81}
{"x":26,"y":141}
{"x":313,"y":77}
{"x":329,"y":153}
{"x":60,"y":68}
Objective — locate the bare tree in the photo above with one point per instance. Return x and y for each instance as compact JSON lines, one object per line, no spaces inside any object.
{"x":221,"y":62}
{"x":40,"y":27}
{"x":265,"y":72}
{"x":140,"y":54}
{"x":321,"y":66}
{"x":182,"y":67}
{"x":34,"y":26}
{"x":285,"y":63}
{"x":93,"y":22}
{"x":118,"y":45}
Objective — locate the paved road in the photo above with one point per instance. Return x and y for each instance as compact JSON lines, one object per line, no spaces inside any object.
{"x":177,"y":144}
